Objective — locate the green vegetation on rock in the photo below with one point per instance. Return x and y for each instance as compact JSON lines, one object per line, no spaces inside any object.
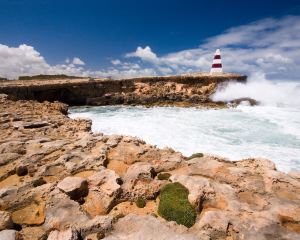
{"x":195,"y":155}
{"x":174,"y":205}
{"x":140,"y":202}
{"x":164,"y":176}
{"x":47,"y":77}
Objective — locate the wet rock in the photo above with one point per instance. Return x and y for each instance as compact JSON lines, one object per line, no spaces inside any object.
{"x":5,"y":220}
{"x":74,"y":187}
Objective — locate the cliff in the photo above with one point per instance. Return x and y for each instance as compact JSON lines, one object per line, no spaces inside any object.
{"x":58,"y":180}
{"x":183,"y":89}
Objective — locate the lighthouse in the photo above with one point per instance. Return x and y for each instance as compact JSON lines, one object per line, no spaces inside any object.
{"x":216,"y":67}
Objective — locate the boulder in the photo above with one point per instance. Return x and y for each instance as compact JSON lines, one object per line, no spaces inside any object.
{"x":5,"y":220}
{"x":74,"y":187}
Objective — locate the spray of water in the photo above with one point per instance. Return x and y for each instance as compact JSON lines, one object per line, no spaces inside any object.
{"x":271,"y":93}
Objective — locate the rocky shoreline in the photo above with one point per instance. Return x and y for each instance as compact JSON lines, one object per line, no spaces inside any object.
{"x":58,"y":180}
{"x":182,"y":90}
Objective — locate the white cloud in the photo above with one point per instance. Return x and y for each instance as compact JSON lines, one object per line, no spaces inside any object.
{"x":25,"y":60}
{"x":116,"y":62}
{"x":78,"y":61}
{"x":145,"y":54}
{"x":270,"y":46}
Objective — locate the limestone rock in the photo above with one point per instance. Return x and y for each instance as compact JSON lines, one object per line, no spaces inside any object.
{"x":33,"y":233}
{"x":103,"y":191}
{"x":140,"y":170}
{"x":5,"y":220}
{"x":8,"y":235}
{"x":146,"y":228}
{"x":75,"y":187}
{"x":32,"y":213}
{"x":62,"y":212}
{"x":99,"y":224}
{"x":69,"y":234}
{"x":198,"y":187}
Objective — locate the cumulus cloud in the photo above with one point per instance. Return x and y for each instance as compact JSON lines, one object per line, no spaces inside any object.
{"x":25,"y":60}
{"x":145,"y":54}
{"x":78,"y":61}
{"x":269,"y":46}
{"x":116,"y":62}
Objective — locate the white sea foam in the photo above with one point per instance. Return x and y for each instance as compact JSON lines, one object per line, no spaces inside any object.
{"x":271,"y":93}
{"x":263,"y":131}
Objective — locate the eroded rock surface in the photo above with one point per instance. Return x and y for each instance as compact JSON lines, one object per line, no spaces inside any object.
{"x":59,"y":180}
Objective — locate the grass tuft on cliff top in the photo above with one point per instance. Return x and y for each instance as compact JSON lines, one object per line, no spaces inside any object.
{"x":195,"y":155}
{"x":175,"y":206}
{"x":163,"y":176}
{"x":140,"y":202}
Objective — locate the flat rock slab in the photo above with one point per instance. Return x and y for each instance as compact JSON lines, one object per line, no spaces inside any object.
{"x":74,"y":187}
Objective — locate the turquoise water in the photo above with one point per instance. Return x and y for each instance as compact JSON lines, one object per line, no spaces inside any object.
{"x":238,"y":133}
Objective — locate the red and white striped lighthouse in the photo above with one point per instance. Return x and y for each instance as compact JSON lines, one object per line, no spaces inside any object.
{"x":216,"y":67}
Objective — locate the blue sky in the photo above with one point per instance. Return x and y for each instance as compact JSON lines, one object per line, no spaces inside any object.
{"x":101,"y":32}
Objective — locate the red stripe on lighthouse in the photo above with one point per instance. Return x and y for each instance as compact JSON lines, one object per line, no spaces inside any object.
{"x":217,"y":57}
{"x":217,"y":65}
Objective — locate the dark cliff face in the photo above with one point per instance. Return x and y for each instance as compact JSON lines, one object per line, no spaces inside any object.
{"x":144,"y":91}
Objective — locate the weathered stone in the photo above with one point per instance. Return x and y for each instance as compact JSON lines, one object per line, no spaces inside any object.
{"x":246,"y":199}
{"x":31,"y":214}
{"x":140,"y":170}
{"x":5,"y":220}
{"x":8,"y":235}
{"x":198,"y":187}
{"x":103,"y":192}
{"x":146,"y":228}
{"x":8,"y":157}
{"x":75,"y":187}
{"x":33,"y":233}
{"x":62,"y":212}
{"x":69,"y":234}
{"x":99,"y":224}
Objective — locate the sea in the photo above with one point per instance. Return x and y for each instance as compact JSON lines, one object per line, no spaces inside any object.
{"x":269,"y":130}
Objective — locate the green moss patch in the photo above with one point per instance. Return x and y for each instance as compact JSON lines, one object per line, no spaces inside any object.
{"x":163,"y":176}
{"x":195,"y":155}
{"x":140,"y":202}
{"x":174,"y":205}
